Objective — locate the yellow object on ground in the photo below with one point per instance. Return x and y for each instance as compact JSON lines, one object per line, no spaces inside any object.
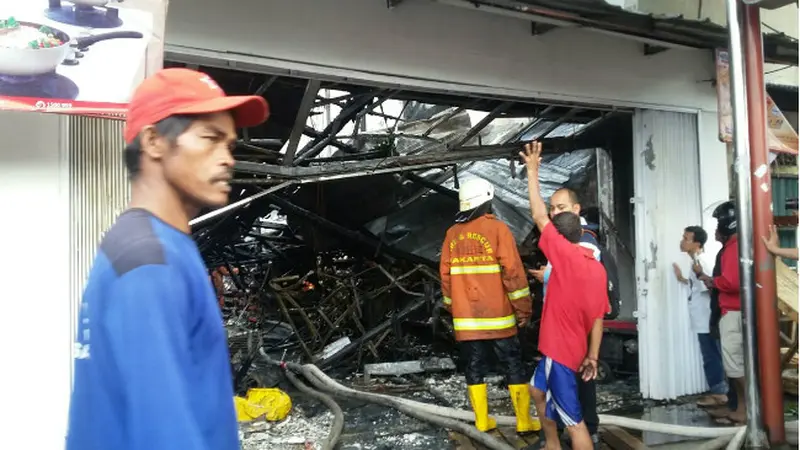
{"x":270,"y":404}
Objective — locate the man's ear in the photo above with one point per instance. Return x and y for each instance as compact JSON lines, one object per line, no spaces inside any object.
{"x":153,"y":144}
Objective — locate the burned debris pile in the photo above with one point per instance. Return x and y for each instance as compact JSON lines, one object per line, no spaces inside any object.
{"x":307,"y":289}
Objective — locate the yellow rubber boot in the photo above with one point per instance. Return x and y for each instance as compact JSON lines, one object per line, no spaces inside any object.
{"x":480,"y":404}
{"x":521,"y":399}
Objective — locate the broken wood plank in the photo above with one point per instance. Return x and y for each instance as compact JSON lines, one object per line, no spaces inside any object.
{"x":619,"y":439}
{"x":461,"y":442}
{"x":513,"y":439}
{"x":531,"y":438}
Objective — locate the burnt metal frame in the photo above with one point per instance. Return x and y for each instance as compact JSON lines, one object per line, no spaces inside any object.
{"x":306,"y":104}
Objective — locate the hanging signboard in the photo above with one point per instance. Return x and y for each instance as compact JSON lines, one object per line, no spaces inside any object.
{"x":781,"y":136}
{"x":80,"y":56}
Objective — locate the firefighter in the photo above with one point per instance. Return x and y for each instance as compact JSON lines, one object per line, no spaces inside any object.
{"x":485,"y":288}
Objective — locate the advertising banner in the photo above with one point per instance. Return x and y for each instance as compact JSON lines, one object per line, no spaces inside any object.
{"x":78,"y":57}
{"x":781,"y":137}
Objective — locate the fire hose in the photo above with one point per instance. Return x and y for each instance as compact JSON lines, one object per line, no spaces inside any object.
{"x":338,"y":415}
{"x":732,"y":436}
{"x":386,"y":400}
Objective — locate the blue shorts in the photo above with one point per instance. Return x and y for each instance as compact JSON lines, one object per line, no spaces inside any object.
{"x":560,"y":386}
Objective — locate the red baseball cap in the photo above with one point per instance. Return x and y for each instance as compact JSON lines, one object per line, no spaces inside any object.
{"x":184,"y":91}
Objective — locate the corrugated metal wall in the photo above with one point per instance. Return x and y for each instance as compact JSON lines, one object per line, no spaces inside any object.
{"x":667,"y":199}
{"x":98,"y":191}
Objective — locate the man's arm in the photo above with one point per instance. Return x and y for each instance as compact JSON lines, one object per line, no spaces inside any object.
{"x":595,"y":338}
{"x":148,"y":336}
{"x":515,"y":282}
{"x":532,"y":157}
{"x":444,"y":274}
{"x":588,"y":369}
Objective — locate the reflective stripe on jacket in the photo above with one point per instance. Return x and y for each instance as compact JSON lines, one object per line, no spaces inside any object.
{"x":483,"y":281}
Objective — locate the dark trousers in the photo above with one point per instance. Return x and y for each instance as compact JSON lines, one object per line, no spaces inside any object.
{"x":587,"y":395}
{"x":712,"y":363}
{"x":479,"y":356}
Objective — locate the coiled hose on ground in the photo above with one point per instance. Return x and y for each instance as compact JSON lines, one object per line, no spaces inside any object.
{"x":393,"y":402}
{"x":623,"y":422}
{"x":732,"y":436}
{"x":338,"y":416}
{"x":466,"y":429}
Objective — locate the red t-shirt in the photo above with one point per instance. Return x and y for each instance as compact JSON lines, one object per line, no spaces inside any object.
{"x":728,"y":282}
{"x":577,"y":295}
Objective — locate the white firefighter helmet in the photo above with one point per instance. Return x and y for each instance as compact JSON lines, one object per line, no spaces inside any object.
{"x":473,"y":193}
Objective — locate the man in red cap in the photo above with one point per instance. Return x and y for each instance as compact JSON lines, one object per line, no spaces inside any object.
{"x":152,"y":369}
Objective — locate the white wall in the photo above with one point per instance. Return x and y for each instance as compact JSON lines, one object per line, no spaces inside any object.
{"x":34,"y":232}
{"x":439,"y":43}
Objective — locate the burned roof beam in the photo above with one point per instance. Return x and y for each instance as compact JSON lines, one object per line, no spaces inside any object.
{"x":393,"y":164}
{"x":475,"y":130}
{"x":432,"y":185}
{"x":257,"y":148}
{"x":534,"y":123}
{"x":310,"y":94}
{"x":441,"y":178}
{"x":349,"y":113}
{"x":557,"y":123}
{"x":323,"y":101}
{"x":594,"y":123}
{"x":312,"y":133}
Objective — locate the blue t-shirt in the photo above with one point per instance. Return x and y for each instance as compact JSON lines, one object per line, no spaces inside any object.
{"x":152,"y":370}
{"x":588,"y":241}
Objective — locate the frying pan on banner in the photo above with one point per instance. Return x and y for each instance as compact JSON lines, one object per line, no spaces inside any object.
{"x":22,"y":62}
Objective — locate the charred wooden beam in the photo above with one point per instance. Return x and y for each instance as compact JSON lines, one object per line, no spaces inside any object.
{"x":312,"y":133}
{"x":500,"y":109}
{"x":436,"y":187}
{"x":373,"y":333}
{"x":542,"y":115}
{"x":557,"y":123}
{"x":387,"y":165}
{"x":350,"y":112}
{"x":312,"y":88}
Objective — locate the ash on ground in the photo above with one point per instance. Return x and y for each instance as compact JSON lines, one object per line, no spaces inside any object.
{"x":375,"y":427}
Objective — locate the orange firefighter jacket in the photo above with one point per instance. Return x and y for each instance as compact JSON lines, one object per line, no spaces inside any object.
{"x":483,"y":281}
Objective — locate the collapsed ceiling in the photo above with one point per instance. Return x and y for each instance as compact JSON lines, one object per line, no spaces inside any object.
{"x":392,"y":158}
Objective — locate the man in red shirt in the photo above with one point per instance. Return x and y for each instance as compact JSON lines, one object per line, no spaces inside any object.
{"x":727,"y":286}
{"x":576,"y":302}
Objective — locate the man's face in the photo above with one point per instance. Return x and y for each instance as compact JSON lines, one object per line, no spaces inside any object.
{"x":561,"y":202}
{"x":200,"y":165}
{"x":687,"y":243}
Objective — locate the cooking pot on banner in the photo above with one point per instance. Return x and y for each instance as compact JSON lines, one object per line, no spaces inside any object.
{"x":39,"y":61}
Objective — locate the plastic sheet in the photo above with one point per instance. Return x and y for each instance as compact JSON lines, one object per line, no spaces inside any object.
{"x":420,"y":227}
{"x":271,"y":404}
